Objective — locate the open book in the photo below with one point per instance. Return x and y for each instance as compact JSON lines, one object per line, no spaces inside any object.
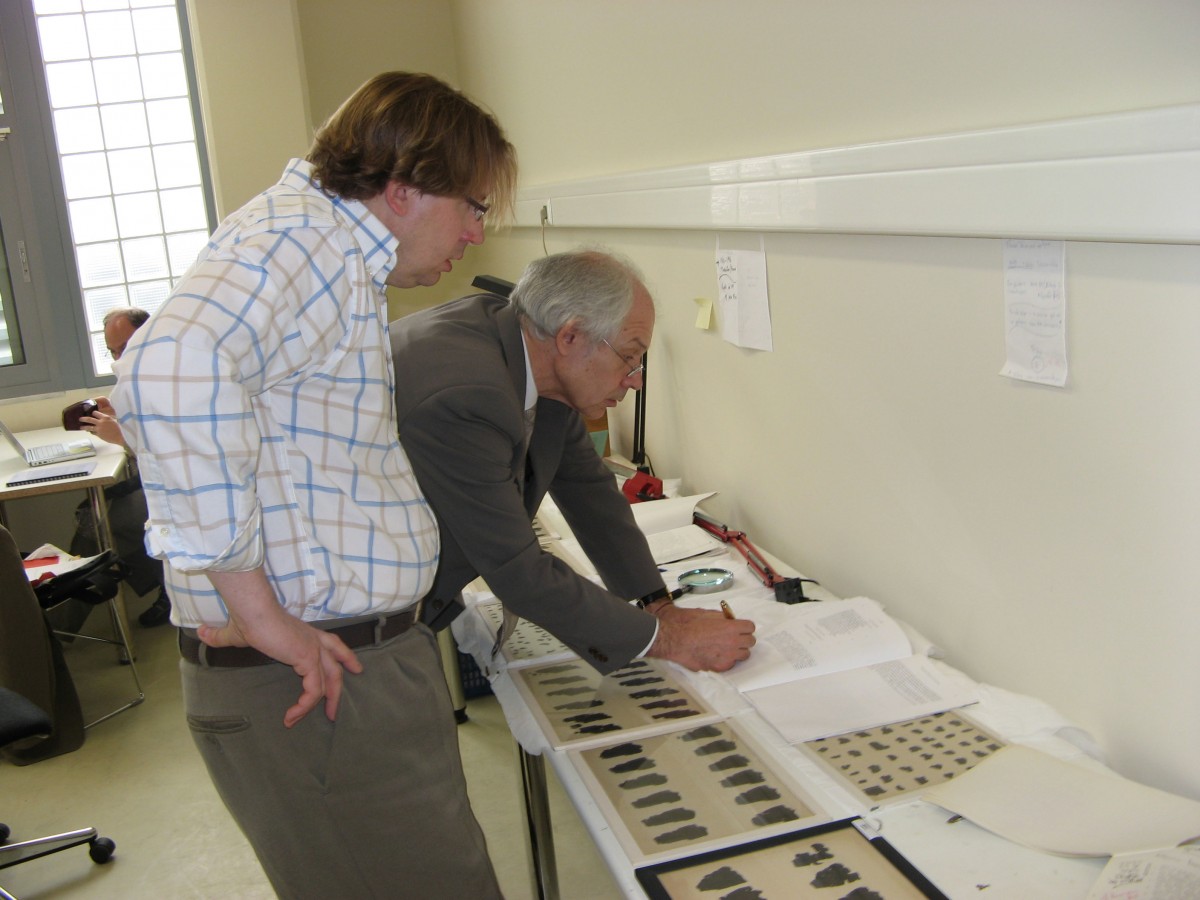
{"x":839,"y":666}
{"x":667,"y":525}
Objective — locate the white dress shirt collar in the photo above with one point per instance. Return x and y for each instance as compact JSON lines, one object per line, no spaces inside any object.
{"x":531,"y":394}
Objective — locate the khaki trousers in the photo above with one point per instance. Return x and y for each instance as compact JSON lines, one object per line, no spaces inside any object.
{"x":373,"y":805}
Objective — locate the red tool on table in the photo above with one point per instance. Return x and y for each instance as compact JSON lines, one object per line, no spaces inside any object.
{"x":787,"y":590}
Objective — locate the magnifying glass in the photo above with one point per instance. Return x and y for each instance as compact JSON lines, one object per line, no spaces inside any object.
{"x":702,"y":581}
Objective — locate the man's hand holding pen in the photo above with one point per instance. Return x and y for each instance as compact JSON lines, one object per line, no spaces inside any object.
{"x":701,"y":639}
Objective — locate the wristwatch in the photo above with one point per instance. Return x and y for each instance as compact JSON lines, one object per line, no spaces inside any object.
{"x":654,"y":596}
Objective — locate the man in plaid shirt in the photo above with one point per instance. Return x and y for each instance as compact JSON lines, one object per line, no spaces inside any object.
{"x":259,"y":400}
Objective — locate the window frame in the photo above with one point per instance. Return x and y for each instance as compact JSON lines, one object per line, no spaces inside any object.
{"x":50,"y":308}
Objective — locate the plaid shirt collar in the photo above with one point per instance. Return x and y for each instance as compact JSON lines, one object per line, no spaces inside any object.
{"x":378,"y":245}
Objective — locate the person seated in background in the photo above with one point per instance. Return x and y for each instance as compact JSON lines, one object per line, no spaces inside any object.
{"x":126,"y":501}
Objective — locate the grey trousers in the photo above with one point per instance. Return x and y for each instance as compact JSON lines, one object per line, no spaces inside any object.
{"x":373,"y":805}
{"x":127,"y":519}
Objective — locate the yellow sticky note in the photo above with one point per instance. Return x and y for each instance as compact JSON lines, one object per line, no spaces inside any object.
{"x":704,"y":313}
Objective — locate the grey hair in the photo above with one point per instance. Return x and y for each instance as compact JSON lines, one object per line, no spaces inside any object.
{"x":592,"y":288}
{"x":137,"y":317}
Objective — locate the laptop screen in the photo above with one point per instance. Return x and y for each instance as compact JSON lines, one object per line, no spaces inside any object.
{"x":12,"y":439}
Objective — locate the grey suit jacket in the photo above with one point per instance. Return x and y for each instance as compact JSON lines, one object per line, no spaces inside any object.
{"x":460,"y":391}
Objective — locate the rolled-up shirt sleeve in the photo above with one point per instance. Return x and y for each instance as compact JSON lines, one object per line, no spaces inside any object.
{"x":194,"y":392}
{"x":192,"y":426}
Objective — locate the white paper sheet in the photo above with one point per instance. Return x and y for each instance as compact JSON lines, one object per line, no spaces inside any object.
{"x":673,"y":512}
{"x":686,"y":542}
{"x":1165,"y":875}
{"x":819,"y":638}
{"x":1061,"y":807}
{"x":862,"y":698}
{"x":742,"y":297}
{"x":1035,"y":311}
{"x":59,"y":562}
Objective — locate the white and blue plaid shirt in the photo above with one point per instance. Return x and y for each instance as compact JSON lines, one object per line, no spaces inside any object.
{"x":259,"y":400}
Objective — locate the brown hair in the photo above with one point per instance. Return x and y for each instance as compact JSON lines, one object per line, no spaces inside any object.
{"x":417,"y":130}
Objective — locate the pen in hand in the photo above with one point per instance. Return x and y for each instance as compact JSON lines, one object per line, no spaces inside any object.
{"x":725,"y":609}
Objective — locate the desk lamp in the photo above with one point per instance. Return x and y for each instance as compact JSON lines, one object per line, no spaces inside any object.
{"x":641,"y":485}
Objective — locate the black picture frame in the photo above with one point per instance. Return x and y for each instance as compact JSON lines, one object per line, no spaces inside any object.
{"x":891,"y":876}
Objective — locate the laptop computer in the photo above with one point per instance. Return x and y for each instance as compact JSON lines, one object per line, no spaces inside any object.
{"x":50,"y":453}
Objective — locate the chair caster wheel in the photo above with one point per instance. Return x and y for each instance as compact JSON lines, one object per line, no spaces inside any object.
{"x":101,"y":849}
{"x":5,"y":831}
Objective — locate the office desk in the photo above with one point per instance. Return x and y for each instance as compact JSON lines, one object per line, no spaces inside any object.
{"x":957,"y":856}
{"x":109,"y":467}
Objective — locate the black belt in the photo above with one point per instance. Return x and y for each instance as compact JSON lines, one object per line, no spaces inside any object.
{"x":354,"y":635}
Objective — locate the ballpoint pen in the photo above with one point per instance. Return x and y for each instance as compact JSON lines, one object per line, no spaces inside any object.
{"x":725,"y":609}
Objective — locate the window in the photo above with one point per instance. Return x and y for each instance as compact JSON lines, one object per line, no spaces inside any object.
{"x":113,"y":90}
{"x":10,"y":334}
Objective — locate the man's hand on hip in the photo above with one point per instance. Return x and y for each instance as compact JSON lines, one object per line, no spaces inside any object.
{"x":257,"y":620}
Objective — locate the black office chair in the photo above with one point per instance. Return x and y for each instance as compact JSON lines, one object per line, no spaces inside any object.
{"x":20,"y":720}
{"x":31,"y":658}
{"x":96,"y":583}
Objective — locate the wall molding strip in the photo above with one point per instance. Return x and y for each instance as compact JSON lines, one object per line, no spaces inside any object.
{"x":1124,"y":177}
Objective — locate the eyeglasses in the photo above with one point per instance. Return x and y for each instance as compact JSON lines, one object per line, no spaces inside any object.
{"x":632,"y":373}
{"x":478,"y":210}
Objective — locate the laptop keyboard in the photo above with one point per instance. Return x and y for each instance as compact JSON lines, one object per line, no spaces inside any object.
{"x":46,"y":451}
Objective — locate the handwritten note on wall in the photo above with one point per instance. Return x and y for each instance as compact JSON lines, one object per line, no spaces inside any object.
{"x":1035,"y":311}
{"x":745,"y":312}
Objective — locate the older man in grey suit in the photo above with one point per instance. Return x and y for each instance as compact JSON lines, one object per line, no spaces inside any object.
{"x":491,"y":396}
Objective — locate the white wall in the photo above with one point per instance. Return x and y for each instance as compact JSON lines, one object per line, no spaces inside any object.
{"x":587,"y":87}
{"x":347,"y":43}
{"x":1044,"y":536}
{"x":253,"y":92}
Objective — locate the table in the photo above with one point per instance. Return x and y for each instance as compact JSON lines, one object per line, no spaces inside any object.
{"x":956,"y":855}
{"x":109,"y":467}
